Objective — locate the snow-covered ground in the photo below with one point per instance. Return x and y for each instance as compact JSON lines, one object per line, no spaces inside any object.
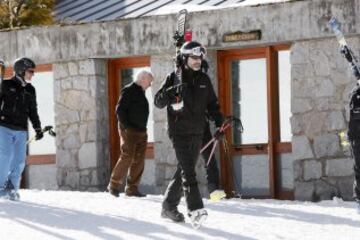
{"x":83,"y":215}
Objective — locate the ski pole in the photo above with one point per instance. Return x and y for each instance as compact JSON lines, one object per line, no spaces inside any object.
{"x":216,"y":141}
{"x":344,"y":47}
{"x":226,"y":124}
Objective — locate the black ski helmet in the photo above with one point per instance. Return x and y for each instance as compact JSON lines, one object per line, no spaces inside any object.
{"x":191,"y":48}
{"x":23,"y":64}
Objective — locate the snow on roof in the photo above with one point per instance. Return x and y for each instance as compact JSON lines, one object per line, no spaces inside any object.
{"x":174,"y":8}
{"x":102,"y":10}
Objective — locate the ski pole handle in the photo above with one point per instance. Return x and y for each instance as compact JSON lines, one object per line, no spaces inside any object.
{"x":48,"y":129}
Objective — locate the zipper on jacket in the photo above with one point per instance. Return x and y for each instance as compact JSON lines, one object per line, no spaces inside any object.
{"x":14,"y":107}
{"x":2,"y":105}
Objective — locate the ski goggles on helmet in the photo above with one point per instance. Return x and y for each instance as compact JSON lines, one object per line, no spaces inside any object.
{"x":196,"y":51}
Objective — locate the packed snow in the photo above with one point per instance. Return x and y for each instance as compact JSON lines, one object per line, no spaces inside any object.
{"x":83,"y":215}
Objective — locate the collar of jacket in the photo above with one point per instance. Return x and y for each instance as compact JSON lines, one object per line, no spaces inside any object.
{"x":20,"y":80}
{"x":138,"y":87}
{"x":190,"y":76}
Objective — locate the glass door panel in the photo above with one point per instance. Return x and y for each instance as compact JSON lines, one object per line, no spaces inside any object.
{"x":249,"y":100}
{"x":284,"y":69}
{"x":44,"y":83}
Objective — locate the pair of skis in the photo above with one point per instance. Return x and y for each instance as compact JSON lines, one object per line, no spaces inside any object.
{"x":180,"y":37}
{"x":344,"y":48}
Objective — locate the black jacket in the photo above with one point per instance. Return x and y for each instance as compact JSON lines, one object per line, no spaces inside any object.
{"x":18,"y":104}
{"x":199,"y":100}
{"x":354,"y":123}
{"x":132,"y":109}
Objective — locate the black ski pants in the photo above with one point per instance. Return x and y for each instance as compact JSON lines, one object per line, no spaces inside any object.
{"x":355,"y":150}
{"x":212,"y":171}
{"x":187,"y":149}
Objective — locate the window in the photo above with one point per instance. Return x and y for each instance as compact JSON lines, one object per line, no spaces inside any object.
{"x":44,"y":85}
{"x":249,"y":101}
{"x":284,"y":70}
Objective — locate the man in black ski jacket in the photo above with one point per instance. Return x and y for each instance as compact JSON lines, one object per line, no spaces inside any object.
{"x":186,"y":126}
{"x":17,"y":106}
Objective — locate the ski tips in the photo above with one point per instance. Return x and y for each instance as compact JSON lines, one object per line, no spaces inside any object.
{"x":335,"y":26}
{"x":182,"y":11}
{"x":334,"y":23}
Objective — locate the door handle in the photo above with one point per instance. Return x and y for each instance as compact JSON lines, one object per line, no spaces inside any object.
{"x":259,"y":147}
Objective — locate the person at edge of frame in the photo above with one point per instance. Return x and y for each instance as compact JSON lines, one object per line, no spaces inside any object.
{"x":17,"y":105}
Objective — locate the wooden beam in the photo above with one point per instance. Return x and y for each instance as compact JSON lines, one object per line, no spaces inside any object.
{"x":273,"y":117}
{"x":41,"y":159}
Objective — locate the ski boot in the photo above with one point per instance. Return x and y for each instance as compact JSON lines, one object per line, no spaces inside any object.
{"x":174,"y":215}
{"x":197,"y":217}
{"x":12,"y":192}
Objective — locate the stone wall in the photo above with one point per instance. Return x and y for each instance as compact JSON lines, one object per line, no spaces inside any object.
{"x":321,"y":82}
{"x":42,"y":177}
{"x":152,"y":35}
{"x":81,"y":114}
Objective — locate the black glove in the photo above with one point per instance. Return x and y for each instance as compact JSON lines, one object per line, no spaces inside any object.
{"x":219,"y":134}
{"x":175,"y":91}
{"x":179,"y":40}
{"x":39,"y":134}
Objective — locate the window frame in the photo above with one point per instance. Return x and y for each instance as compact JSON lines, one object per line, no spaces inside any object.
{"x":274,"y":146}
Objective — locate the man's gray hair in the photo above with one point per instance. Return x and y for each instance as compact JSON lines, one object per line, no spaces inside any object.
{"x":143,"y":73}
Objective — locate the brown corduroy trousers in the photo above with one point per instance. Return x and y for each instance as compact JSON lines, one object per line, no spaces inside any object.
{"x":131,"y":161}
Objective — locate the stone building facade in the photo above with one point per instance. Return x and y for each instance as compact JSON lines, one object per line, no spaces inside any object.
{"x":320,"y":83}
